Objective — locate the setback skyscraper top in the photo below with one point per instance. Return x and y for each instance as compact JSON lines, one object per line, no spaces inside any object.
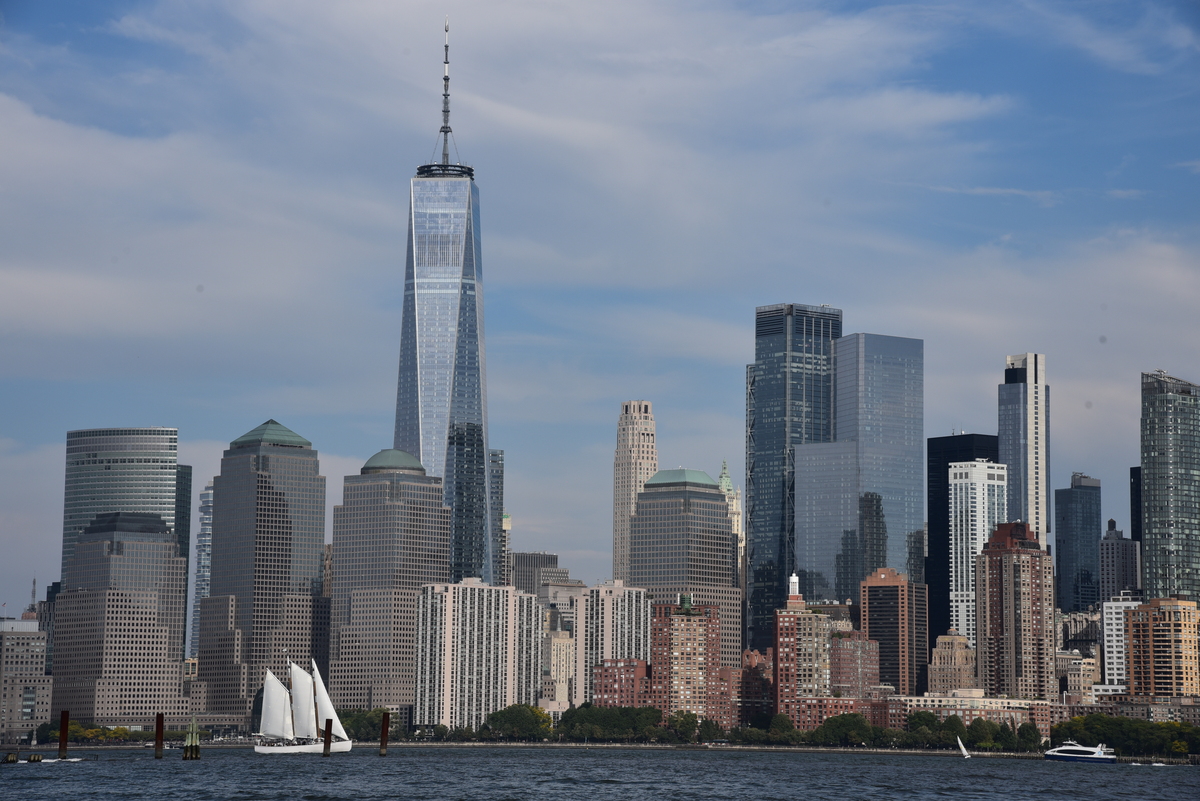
{"x":441,"y":398}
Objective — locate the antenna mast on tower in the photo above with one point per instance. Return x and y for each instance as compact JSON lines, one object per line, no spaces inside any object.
{"x":446,"y":100}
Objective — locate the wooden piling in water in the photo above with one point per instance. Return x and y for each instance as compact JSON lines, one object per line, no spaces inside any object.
{"x":383,"y":732}
{"x":328,"y":735}
{"x":158,"y":735}
{"x":64,"y":723}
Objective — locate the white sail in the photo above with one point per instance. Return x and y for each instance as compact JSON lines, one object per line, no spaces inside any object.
{"x":276,"y":709}
{"x":325,"y":710}
{"x":304,"y":714}
{"x":963,"y":748}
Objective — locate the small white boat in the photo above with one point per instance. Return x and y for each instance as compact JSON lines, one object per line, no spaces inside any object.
{"x":294,"y":723}
{"x":1071,"y":751}
{"x":962,"y":748}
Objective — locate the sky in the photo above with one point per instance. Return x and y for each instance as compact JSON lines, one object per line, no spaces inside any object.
{"x":203,"y":216}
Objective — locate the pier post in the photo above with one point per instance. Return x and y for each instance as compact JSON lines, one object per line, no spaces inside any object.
{"x":328,"y":735}
{"x":64,"y":723}
{"x":158,"y":735}
{"x":383,"y":732}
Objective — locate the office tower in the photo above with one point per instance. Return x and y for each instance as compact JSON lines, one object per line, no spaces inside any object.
{"x":858,"y":499}
{"x":562,"y":602}
{"x":681,"y":542}
{"x":853,"y":664}
{"x":685,"y":659}
{"x":1076,"y":541}
{"x":391,"y":536}
{"x":612,"y":622}
{"x":500,"y":522}
{"x":125,"y":470}
{"x":1163,"y":638}
{"x":801,"y":650}
{"x":978,"y":499}
{"x":1024,"y":436}
{"x":1120,"y":563}
{"x":1170,"y":486}
{"x":268,"y":538}
{"x":789,"y":402}
{"x":1014,"y":586}
{"x":1135,"y":503}
{"x":202,"y":572}
{"x":120,"y":623}
{"x":1116,"y":649}
{"x":895,"y":613}
{"x":441,"y":394}
{"x":635,"y":461}
{"x":558,"y":671}
{"x":733,"y":497}
{"x":528,"y":570}
{"x":941,"y":452}
{"x":1078,"y":631}
{"x":478,"y":651}
{"x":951,"y":664}
{"x":25,"y":688}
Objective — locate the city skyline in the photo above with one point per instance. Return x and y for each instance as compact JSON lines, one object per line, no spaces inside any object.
{"x":179,"y":207}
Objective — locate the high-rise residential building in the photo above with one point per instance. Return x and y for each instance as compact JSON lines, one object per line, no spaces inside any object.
{"x":1170,"y":486}
{"x":441,"y":395}
{"x":858,"y":499}
{"x":531,"y":569}
{"x":391,"y":536}
{"x":789,"y":402}
{"x":1120,"y":563}
{"x":1163,"y":640}
{"x":1024,"y":436}
{"x":1014,"y":585}
{"x":612,"y":622}
{"x":125,"y":470}
{"x":941,"y":452}
{"x":801,"y":650}
{"x":1115,"y":650}
{"x":951,"y":664}
{"x":978,"y":500}
{"x":895,"y":613}
{"x":853,"y":664}
{"x":268,"y":536}
{"x":202,"y":569}
{"x":122,"y":615}
{"x":1077,"y":543}
{"x":635,"y":461}
{"x":681,"y":542}
{"x":501,"y":523}
{"x":734,"y":498}
{"x":478,"y":651}
{"x":685,"y":659}
{"x":25,"y":688}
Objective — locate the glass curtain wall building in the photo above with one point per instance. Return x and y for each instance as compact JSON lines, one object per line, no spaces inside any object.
{"x":1077,"y":527}
{"x":1170,"y":486}
{"x":441,"y":398}
{"x":858,"y":500}
{"x":203,"y":569}
{"x":789,"y":402}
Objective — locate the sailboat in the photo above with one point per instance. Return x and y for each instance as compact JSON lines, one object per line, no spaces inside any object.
{"x":963,"y":748}
{"x":294,"y":723}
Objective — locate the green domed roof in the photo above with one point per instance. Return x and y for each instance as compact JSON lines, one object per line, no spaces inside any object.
{"x":392,"y":459}
{"x":271,"y":433}
{"x":682,"y":476}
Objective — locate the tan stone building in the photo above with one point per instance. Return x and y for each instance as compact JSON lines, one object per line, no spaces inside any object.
{"x":952,"y":664}
{"x":635,"y":461}
{"x":1163,"y":641}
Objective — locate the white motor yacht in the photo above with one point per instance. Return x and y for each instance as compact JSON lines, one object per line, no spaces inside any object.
{"x":1071,"y":751}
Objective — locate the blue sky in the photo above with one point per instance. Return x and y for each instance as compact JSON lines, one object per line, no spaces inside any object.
{"x":202,"y":221}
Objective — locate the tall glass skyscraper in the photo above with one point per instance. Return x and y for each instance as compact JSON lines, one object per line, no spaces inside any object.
{"x":202,"y":571}
{"x":1077,"y":527}
{"x":858,"y":499}
{"x":789,"y":402}
{"x":441,"y":398}
{"x":1170,"y":486}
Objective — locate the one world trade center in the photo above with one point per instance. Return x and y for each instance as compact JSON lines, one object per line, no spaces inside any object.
{"x":441,"y":399}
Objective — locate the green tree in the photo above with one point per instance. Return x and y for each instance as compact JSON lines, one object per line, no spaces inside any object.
{"x":710,"y":730}
{"x":951,"y":729}
{"x":780,"y":724}
{"x":918,"y":719}
{"x":982,"y":733}
{"x":684,"y":724}
{"x":1028,"y":736}
{"x":843,"y":730}
{"x":520,"y":722}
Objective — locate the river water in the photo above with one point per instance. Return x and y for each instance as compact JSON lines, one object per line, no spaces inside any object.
{"x":596,"y":774}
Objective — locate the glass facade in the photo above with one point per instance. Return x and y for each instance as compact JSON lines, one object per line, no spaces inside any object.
{"x":858,"y":500}
{"x":1078,"y":528}
{"x":1023,"y":439}
{"x":441,"y":400}
{"x":789,"y":402}
{"x":203,"y":565}
{"x":1170,"y":486}
{"x":124,"y":470}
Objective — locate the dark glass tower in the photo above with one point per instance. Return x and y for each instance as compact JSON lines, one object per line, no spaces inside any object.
{"x":940,"y":453}
{"x":1077,"y":526}
{"x":789,"y":402}
{"x":1170,"y":486}
{"x":441,"y":398}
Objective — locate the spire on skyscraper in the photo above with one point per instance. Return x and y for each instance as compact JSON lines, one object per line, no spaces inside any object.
{"x":446,"y":99}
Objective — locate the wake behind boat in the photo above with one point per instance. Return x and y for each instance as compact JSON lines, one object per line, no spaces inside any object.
{"x":1071,"y":751}
{"x":294,"y":723}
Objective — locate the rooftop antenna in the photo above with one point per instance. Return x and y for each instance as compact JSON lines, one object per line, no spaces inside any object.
{"x":446,"y":100}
